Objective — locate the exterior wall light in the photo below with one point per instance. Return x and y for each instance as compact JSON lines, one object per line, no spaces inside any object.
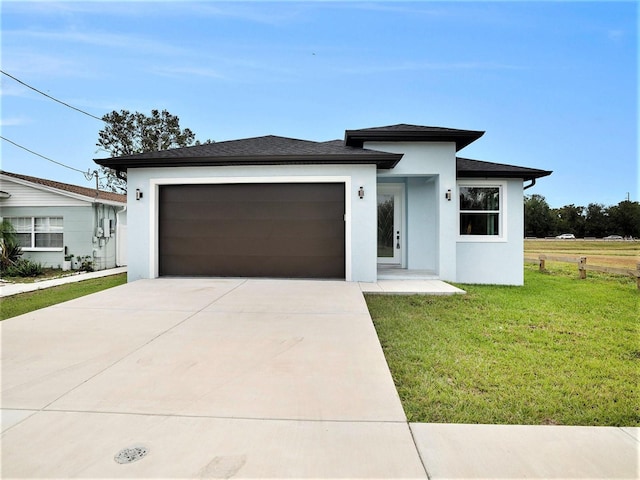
{"x":448,"y":195}
{"x":138,"y":194}
{"x":361,"y":193}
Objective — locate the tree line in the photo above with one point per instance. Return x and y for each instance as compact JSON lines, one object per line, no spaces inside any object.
{"x":594,"y":220}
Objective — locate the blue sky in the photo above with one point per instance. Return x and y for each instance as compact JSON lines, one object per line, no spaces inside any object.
{"x":553,"y":84}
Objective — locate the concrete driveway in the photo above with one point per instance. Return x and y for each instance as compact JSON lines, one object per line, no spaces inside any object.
{"x":212,"y":378}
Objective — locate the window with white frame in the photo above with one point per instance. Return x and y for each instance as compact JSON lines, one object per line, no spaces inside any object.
{"x":480,"y":210}
{"x":35,"y":233}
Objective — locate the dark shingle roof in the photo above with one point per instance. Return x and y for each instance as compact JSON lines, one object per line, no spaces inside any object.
{"x":467,"y":168}
{"x":411,"y":133}
{"x":275,"y":150}
{"x":66,"y":187}
{"x":267,"y":150}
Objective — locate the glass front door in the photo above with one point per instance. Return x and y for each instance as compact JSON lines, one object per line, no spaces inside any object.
{"x":390,"y":236}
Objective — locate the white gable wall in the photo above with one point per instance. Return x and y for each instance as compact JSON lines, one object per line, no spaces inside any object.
{"x":26,"y":196}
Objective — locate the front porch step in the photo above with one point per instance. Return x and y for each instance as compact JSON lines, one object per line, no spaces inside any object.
{"x":406,"y":274}
{"x":410,"y":287}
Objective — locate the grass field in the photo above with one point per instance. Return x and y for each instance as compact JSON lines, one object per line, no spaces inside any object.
{"x":30,"y":301}
{"x":558,"y":350}
{"x":619,"y":254}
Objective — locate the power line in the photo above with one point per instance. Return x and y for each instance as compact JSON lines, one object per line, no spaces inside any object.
{"x":49,"y":96}
{"x":41,"y":156}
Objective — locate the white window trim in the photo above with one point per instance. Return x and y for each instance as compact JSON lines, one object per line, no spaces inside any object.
{"x":502,"y":215}
{"x":33,"y":235}
{"x":154,"y":188}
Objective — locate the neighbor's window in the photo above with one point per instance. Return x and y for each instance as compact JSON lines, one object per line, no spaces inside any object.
{"x":38,"y":232}
{"x":480,"y":210}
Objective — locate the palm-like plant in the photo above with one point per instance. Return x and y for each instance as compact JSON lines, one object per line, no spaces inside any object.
{"x":10,"y":250}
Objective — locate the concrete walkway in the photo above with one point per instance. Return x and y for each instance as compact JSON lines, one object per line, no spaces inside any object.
{"x":221,"y":378}
{"x":8,"y":289}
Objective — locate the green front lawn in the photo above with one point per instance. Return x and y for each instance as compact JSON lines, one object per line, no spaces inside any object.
{"x":30,"y":301}
{"x":557,"y":351}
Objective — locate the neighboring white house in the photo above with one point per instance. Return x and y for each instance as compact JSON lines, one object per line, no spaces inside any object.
{"x":387,"y":201}
{"x":54,"y":220}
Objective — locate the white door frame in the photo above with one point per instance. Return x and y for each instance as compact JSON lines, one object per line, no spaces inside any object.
{"x":399,"y":223}
{"x":154,"y":186}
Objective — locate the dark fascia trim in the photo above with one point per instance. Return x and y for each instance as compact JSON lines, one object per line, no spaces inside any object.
{"x":462,"y":138}
{"x":505,"y":174}
{"x":469,"y":168}
{"x":381,"y":160}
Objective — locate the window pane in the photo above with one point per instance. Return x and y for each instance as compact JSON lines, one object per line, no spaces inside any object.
{"x":479,"y":198}
{"x":21,"y":224}
{"x":385,"y":226}
{"x":24,"y":239}
{"x":55,"y":224}
{"x":479,"y":224}
{"x":49,"y":240}
{"x":41,"y":224}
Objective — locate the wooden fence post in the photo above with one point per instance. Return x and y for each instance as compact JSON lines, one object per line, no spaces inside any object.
{"x":638,"y":275}
{"x":582,"y":267}
{"x":541,"y":262}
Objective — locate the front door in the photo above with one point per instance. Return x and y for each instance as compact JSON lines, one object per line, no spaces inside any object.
{"x":390,"y":235}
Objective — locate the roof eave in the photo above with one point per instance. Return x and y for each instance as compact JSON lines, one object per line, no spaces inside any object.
{"x":462,"y":138}
{"x":64,"y":193}
{"x":381,"y":160}
{"x":504,"y":174}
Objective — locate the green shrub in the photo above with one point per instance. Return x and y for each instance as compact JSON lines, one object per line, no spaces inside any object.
{"x":86,"y":264}
{"x":24,"y":268}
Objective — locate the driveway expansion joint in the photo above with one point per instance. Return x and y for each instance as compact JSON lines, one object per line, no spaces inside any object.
{"x":222,"y":417}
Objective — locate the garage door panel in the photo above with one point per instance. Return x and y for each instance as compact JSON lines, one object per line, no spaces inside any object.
{"x":213,"y":231}
{"x":272,"y":230}
{"x":257,"y":210}
{"x":256,"y":246}
{"x":259,"y":266}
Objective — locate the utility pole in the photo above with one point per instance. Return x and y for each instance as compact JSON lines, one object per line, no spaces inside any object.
{"x":90,"y":174}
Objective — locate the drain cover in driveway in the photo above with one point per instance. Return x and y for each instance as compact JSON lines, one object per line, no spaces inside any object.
{"x":131,"y":454}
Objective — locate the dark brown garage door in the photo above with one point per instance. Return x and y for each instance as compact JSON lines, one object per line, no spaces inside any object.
{"x":291,"y":230}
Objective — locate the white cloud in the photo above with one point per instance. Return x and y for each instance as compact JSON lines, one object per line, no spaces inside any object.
{"x":256,"y":12}
{"x":14,"y":121}
{"x":24,"y":61}
{"x":187,"y":72}
{"x":425,"y":66}
{"x":126,"y":42}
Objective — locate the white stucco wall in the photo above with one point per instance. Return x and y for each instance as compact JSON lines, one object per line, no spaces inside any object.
{"x":496,"y":261}
{"x":361,"y":220}
{"x":430,"y":170}
{"x":422,"y":218}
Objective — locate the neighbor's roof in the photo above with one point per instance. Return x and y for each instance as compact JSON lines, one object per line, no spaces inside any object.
{"x":467,"y":168}
{"x":267,"y":150}
{"x":411,"y":133}
{"x":91,"y":193}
